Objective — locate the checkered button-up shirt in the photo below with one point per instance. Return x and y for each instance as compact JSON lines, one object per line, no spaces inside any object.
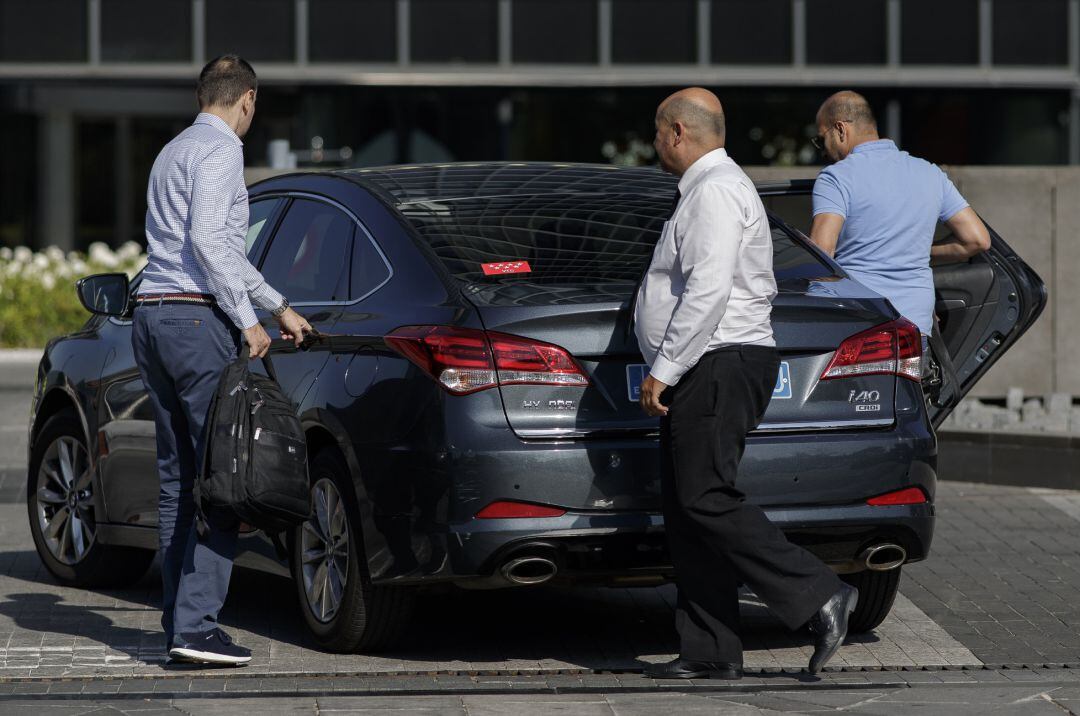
{"x":197,"y":220}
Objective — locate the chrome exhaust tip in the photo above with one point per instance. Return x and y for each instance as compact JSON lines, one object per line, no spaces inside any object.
{"x":529,"y":570}
{"x":883,"y":557}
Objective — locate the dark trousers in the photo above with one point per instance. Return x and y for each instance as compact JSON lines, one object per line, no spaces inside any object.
{"x":181,"y":351}
{"x":716,"y":538}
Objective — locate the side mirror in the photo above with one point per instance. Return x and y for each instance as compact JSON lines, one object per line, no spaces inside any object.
{"x":105,"y":294}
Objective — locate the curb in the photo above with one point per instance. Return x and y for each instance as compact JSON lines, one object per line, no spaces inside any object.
{"x":216,"y":684}
{"x":18,"y":368}
{"x":1000,"y":458}
{"x":20,"y":355}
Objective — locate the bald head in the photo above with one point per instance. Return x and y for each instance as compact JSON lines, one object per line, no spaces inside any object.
{"x":847,"y":106}
{"x":699,"y":111}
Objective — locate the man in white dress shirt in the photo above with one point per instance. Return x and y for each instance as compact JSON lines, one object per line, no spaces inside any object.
{"x":702,"y":320}
{"x":197,"y":297}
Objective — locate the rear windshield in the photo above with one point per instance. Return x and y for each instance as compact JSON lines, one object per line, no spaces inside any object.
{"x":563,"y":248}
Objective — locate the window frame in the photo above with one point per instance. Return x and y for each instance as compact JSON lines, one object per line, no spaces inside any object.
{"x":357,"y":224}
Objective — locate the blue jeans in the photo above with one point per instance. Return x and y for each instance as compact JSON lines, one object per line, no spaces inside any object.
{"x":181,"y":351}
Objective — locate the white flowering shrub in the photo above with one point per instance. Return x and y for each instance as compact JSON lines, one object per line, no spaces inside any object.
{"x":37,"y":290}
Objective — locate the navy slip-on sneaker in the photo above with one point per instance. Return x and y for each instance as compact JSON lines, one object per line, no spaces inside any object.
{"x":210,"y":647}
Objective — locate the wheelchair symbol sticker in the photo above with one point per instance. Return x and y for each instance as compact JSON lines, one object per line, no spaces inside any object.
{"x":783,"y":382}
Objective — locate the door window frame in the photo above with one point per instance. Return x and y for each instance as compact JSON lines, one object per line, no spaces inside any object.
{"x":358,"y":224}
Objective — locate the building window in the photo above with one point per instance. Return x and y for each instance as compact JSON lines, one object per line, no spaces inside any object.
{"x":751,"y":32}
{"x":654,"y":31}
{"x":1018,"y":42}
{"x":350,"y":31}
{"x":840,"y":32}
{"x":939,"y":33}
{"x":555,"y":31}
{"x":43,"y":30}
{"x":257,"y":30}
{"x":454,"y":30}
{"x":138,"y":31}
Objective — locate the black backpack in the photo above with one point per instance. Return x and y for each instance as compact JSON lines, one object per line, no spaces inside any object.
{"x":255,"y":464}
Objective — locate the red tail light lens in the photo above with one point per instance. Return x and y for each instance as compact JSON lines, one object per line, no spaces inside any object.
{"x":507,"y":509}
{"x":893,"y":348}
{"x":907,"y":496}
{"x":465,"y":360}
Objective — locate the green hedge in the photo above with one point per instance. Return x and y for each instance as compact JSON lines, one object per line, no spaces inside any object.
{"x":37,"y":290}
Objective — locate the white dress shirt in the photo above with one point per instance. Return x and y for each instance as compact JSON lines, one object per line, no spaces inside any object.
{"x":711,"y":282}
{"x":197,"y":219}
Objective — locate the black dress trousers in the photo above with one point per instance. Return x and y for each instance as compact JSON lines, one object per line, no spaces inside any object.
{"x":715,"y":537}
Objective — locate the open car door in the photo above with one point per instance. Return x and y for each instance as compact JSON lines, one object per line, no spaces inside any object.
{"x":983,"y":305}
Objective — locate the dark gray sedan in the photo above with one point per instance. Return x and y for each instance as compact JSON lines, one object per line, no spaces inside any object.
{"x":471,"y":400}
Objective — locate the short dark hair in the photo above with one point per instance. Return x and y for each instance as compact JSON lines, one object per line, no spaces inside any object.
{"x":224,"y":81}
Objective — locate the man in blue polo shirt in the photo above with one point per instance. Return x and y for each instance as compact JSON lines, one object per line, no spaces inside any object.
{"x":876,"y":208}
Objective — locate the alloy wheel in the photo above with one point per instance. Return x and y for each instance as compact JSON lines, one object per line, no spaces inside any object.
{"x":65,"y":500}
{"x":324,"y":550}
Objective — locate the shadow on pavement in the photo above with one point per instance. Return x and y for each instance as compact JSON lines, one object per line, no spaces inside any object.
{"x":591,"y":628}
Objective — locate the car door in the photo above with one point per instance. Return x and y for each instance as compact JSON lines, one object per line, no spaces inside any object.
{"x":983,"y":304}
{"x":127,"y":462}
{"x":308,"y":261}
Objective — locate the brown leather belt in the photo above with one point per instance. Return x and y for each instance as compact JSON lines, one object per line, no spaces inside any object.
{"x":187,"y":299}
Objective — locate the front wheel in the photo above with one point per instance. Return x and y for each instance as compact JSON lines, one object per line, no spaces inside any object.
{"x":877,"y":591}
{"x":64,"y":512}
{"x":342,"y":609}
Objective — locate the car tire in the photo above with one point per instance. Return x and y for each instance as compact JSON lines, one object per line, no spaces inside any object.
{"x":877,"y":591}
{"x":345,"y":613}
{"x":63,"y":512}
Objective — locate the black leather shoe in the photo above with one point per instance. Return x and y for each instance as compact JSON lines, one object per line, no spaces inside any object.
{"x":830,"y":624}
{"x":687,"y":669}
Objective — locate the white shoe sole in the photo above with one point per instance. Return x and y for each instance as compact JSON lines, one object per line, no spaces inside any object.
{"x":206,"y":657}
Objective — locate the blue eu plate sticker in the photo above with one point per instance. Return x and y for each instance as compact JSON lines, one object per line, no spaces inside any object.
{"x":782,"y":389}
{"x":635,"y":376}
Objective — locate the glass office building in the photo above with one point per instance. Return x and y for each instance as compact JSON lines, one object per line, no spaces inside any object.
{"x":91,"y":89}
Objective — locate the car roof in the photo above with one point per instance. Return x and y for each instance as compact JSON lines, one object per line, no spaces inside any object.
{"x":414,"y":183}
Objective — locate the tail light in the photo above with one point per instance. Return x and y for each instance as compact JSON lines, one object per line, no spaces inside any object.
{"x":507,"y":509}
{"x":893,"y":348}
{"x":465,"y":360}
{"x":907,"y":496}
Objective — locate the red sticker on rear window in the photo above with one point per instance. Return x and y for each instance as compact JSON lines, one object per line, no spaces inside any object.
{"x":497,"y":269}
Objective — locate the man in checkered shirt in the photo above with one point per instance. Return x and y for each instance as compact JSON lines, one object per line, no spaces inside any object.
{"x":194,"y":304}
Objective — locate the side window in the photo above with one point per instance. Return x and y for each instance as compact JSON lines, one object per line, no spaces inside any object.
{"x":259,"y":213}
{"x":368,"y":268}
{"x":308,"y":259}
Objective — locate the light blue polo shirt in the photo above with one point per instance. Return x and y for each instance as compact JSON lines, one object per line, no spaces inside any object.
{"x":891,"y":203}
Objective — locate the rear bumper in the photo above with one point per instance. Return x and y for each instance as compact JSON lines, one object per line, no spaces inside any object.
{"x":814,"y":486}
{"x":630,"y":548}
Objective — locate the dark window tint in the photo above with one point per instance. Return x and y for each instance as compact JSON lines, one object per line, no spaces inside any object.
{"x":751,"y":31}
{"x":43,"y":30}
{"x":369,"y":270}
{"x":654,"y":31}
{"x":1030,"y":32}
{"x":136,"y":30}
{"x":308,"y":257}
{"x":351,"y":31}
{"x":841,"y":32}
{"x":939,"y":33}
{"x":554,"y":31}
{"x":260,"y":215}
{"x":795,"y":210}
{"x":579,"y":249}
{"x":454,"y":30}
{"x":254,"y":29}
